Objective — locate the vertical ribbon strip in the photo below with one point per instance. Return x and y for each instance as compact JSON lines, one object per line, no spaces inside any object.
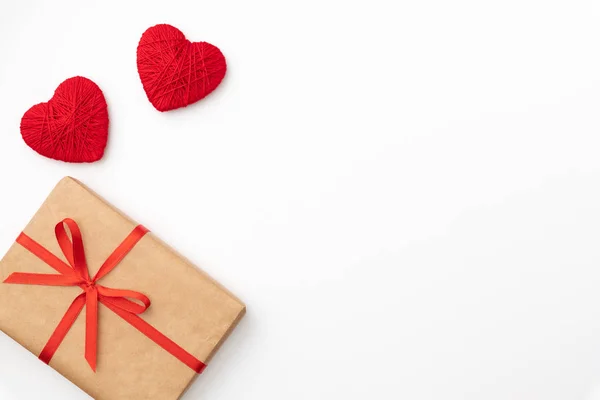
{"x":76,"y":273}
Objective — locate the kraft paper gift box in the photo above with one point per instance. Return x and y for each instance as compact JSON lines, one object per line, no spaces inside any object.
{"x":137,"y":354}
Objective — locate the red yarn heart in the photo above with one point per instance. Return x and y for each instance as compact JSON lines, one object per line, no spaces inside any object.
{"x":72,"y":126}
{"x":174,"y":71}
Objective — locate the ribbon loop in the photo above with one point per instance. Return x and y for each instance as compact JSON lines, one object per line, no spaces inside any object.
{"x":76,"y":273}
{"x":72,"y":248}
{"x":118,"y":297}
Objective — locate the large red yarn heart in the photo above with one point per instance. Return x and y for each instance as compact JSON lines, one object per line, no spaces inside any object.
{"x":174,"y":71}
{"x":72,"y":126}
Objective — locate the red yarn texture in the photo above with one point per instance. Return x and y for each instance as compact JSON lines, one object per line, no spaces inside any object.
{"x":72,"y":126}
{"x":174,"y":71}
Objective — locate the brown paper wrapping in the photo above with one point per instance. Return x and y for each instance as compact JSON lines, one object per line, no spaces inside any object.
{"x":187,"y":305}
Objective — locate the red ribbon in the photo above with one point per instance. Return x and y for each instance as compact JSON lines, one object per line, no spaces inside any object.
{"x":76,"y":274}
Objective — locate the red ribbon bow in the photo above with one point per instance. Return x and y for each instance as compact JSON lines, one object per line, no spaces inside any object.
{"x":76,"y":274}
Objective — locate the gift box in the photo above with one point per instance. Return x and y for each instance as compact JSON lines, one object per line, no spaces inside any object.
{"x":107,"y":304}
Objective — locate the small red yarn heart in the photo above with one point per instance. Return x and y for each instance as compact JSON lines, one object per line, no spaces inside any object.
{"x":72,"y":126}
{"x":174,"y":71}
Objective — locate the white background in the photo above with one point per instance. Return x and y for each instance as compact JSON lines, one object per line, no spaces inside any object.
{"x":406,"y":194}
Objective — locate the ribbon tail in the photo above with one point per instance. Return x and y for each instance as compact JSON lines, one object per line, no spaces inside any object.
{"x":157,"y":337}
{"x":63,"y":327}
{"x":91,"y":327}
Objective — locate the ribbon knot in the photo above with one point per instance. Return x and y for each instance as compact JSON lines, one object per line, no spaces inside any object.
{"x":76,"y":273}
